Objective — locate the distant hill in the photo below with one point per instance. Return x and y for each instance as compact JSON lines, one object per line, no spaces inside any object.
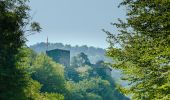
{"x":94,"y":54}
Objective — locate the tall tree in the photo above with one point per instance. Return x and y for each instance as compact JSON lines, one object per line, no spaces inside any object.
{"x":49,"y":74}
{"x":142,"y":50}
{"x":80,"y":60}
{"x":14,"y":19}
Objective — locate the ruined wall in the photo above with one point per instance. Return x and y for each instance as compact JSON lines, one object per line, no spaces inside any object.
{"x":60,"y":56}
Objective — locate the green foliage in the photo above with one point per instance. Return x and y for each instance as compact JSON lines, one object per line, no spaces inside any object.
{"x":91,"y":96}
{"x":79,"y":91}
{"x":34,"y":89}
{"x":13,"y":76}
{"x":33,"y":93}
{"x":79,"y":69}
{"x":91,"y":89}
{"x":84,"y":71}
{"x":90,"y":82}
{"x":72,"y":74}
{"x":143,"y":49}
{"x":80,"y":60}
{"x":100,"y":68}
{"x":54,"y":96}
{"x":48,"y":73}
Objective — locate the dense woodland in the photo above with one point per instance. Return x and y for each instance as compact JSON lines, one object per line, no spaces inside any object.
{"x":81,"y":81}
{"x":140,"y":50}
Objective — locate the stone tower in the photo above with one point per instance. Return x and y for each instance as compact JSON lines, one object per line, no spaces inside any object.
{"x":60,"y":56}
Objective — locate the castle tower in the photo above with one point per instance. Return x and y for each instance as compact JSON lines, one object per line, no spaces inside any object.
{"x":60,"y":56}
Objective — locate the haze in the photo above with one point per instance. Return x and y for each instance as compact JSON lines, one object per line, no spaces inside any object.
{"x":75,"y":22}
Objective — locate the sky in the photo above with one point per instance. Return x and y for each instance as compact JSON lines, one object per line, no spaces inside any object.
{"x":74,"y":22}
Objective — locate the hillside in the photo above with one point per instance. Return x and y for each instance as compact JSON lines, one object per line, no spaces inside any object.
{"x":93,"y":53}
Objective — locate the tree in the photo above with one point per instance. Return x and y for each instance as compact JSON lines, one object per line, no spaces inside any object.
{"x":92,"y":89}
{"x":14,"y":19}
{"x":49,"y":74}
{"x":141,"y":49}
{"x":35,"y":90}
{"x":91,"y":96}
{"x":80,"y":60}
{"x":84,"y":90}
{"x":53,"y":96}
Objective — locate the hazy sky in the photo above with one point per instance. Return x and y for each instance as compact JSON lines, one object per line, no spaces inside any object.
{"x":75,"y":22}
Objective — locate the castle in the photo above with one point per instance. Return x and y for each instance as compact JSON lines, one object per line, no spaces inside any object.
{"x":63,"y":57}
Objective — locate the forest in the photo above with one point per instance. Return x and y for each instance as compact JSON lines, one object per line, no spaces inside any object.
{"x":140,"y":49}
